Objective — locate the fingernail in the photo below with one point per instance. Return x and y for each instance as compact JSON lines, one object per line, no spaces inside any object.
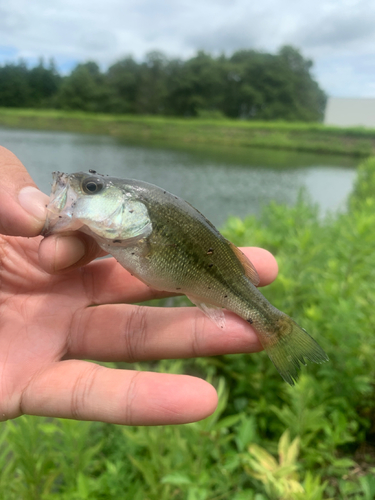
{"x":69,"y":250}
{"x":33,"y":201}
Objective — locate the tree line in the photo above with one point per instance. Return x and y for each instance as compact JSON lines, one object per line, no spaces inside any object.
{"x":248,"y":84}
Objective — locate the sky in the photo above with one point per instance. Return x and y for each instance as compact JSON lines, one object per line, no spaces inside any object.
{"x":338,"y":35}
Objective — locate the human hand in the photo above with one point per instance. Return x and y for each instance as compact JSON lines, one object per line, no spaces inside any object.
{"x":48,"y":327}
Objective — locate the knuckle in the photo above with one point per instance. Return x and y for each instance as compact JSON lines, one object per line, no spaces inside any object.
{"x":131,"y":395}
{"x":82,"y":390}
{"x":197,"y":327}
{"x":135,"y":333}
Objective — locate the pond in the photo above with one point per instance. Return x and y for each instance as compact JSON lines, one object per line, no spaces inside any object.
{"x":217,"y":181}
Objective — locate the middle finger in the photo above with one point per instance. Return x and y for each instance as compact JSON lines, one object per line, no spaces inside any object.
{"x":138,"y":333}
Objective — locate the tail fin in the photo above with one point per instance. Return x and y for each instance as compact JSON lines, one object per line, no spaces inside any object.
{"x":292,"y":349}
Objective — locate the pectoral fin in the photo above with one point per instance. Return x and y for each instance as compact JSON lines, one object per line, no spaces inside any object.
{"x":216,"y":314}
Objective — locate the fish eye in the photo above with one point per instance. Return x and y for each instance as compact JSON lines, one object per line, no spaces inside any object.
{"x":92,"y":185}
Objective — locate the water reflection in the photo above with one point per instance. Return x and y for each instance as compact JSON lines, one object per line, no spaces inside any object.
{"x":217,"y":181}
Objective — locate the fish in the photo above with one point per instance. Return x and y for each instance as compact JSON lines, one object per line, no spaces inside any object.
{"x":169,"y":245}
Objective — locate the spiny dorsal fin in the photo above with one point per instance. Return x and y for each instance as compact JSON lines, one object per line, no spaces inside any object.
{"x":249,"y":268}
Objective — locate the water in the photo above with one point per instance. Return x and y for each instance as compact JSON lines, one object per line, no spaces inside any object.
{"x":218,"y":182}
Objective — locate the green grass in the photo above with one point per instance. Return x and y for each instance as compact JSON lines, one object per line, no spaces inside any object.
{"x":196,"y":132}
{"x":267,"y":440}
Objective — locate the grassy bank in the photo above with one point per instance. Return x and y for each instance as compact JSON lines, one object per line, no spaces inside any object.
{"x":194,"y":133}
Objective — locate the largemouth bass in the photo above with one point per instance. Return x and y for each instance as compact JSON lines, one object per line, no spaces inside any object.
{"x":166,"y":243}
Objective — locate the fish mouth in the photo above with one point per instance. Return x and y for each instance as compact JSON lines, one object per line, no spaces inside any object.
{"x":61,"y":205}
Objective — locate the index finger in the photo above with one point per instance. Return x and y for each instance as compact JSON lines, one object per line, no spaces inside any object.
{"x":107,"y":282}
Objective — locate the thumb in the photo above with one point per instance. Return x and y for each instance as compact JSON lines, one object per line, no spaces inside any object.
{"x":22,"y":205}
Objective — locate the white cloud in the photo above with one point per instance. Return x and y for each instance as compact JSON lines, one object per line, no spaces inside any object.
{"x":338,"y":36}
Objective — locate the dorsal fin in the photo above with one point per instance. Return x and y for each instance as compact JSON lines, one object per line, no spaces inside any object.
{"x":249,"y":268}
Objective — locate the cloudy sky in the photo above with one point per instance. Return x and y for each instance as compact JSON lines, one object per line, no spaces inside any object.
{"x":339,"y":35}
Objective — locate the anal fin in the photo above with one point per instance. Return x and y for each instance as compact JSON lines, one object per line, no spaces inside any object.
{"x":216,"y":314}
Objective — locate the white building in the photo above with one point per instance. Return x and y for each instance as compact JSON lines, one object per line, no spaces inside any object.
{"x":350,"y":112}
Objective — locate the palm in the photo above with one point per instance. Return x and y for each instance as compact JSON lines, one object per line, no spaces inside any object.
{"x":38,"y":309}
{"x":46,"y":318}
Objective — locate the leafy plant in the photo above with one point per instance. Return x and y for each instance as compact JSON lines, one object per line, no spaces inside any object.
{"x":280,"y":479}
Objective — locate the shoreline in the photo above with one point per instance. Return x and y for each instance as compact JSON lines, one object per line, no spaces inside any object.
{"x":197,"y":132}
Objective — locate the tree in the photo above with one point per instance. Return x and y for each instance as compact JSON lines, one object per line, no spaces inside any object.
{"x":152,"y":91}
{"x":84,"y":89}
{"x":43,"y":83}
{"x":309,"y":100}
{"x":14,"y":87}
{"x":123,"y":81}
{"x":195,"y":85}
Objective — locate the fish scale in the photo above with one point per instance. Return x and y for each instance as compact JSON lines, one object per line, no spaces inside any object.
{"x":171,"y":246}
